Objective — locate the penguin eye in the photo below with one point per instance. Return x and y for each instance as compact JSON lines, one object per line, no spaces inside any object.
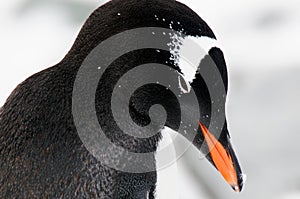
{"x":184,"y":85}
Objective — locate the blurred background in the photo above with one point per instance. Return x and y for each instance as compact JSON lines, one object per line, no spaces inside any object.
{"x":260,"y":42}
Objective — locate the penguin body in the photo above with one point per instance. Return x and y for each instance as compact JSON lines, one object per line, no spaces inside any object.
{"x":41,"y":154}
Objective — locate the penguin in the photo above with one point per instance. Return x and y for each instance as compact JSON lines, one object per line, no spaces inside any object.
{"x":42,"y":154}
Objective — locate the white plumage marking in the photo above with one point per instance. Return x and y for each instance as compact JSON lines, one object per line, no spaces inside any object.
{"x":187,"y":53}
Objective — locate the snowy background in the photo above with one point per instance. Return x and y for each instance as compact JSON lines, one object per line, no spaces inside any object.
{"x":260,"y":42}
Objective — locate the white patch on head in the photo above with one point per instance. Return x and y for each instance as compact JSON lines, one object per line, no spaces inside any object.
{"x":187,"y":54}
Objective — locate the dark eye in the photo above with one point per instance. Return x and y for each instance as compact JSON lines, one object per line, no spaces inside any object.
{"x":184,"y":85}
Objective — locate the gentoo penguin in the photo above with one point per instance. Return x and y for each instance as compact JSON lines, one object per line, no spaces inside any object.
{"x":42,"y":152}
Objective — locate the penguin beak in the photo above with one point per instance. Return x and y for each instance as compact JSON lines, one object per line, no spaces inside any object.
{"x":224,"y":160}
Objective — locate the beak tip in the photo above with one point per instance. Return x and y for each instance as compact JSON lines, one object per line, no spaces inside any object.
{"x":238,"y":188}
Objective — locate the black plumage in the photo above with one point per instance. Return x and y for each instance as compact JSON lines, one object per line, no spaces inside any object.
{"x":41,"y":154}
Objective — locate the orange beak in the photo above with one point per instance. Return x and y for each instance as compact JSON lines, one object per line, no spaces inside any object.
{"x":221,"y":158}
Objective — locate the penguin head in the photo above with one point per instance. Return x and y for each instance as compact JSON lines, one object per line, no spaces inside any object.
{"x":150,"y":72}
